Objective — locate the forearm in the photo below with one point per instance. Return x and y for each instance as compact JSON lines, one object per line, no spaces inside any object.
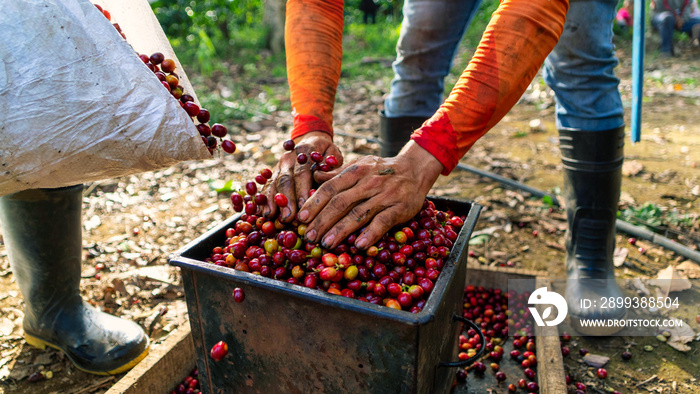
{"x":313,"y":43}
{"x":518,"y":38}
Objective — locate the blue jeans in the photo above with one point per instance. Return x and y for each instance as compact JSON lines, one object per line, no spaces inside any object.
{"x":579,"y":69}
{"x":665,"y":23}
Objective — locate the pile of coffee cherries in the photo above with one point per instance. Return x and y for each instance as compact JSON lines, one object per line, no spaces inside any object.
{"x":489,"y":309}
{"x":496,"y":312}
{"x":164,"y":70}
{"x":399,"y":271}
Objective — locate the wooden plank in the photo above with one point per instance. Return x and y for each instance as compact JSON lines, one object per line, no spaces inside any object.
{"x":550,"y":362}
{"x":162,"y":369}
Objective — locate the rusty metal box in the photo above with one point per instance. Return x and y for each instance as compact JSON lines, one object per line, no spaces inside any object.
{"x":286,"y":338}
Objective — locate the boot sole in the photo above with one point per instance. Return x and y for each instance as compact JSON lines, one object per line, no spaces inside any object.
{"x":594,"y":331}
{"x":42,"y":344}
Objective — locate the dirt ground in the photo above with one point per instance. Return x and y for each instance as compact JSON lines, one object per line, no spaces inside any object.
{"x":131,"y":224}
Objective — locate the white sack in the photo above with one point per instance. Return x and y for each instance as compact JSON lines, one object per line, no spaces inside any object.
{"x":76,"y":102}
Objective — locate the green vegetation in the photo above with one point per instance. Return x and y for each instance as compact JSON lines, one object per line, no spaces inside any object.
{"x":368,"y":48}
{"x":205,"y":32}
{"x":224,"y":41}
{"x":655,"y":218}
{"x":209,"y":34}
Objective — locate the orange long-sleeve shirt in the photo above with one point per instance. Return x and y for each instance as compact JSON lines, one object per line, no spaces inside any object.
{"x":514,"y":45}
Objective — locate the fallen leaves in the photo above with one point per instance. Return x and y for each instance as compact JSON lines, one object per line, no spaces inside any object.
{"x":7,"y":326}
{"x":631,"y":168}
{"x":670,"y":280}
{"x":681,"y":335}
{"x":689,"y":269}
{"x":595,"y":360}
{"x":619,"y":256}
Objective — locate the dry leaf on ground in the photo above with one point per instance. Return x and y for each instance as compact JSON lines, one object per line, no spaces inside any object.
{"x":670,"y":280}
{"x":680,"y":336}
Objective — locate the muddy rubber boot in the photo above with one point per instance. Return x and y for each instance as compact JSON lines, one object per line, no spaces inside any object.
{"x":394,"y":133}
{"x":592,"y":164}
{"x":42,"y":231}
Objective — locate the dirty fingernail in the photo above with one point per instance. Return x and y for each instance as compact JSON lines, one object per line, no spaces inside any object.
{"x":311,"y":235}
{"x":328,"y":241}
{"x":361,"y":243}
{"x":303,"y":215}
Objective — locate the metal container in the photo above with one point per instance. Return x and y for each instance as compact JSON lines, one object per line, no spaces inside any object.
{"x":286,"y":338}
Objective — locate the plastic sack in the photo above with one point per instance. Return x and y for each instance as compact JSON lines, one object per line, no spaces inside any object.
{"x":76,"y":102}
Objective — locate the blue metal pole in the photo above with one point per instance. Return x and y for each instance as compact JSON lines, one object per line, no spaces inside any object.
{"x":637,"y":69}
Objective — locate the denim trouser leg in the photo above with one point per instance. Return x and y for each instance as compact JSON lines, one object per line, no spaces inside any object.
{"x":430,"y":33}
{"x":580,"y":69}
{"x":665,"y":23}
{"x":687,"y":27}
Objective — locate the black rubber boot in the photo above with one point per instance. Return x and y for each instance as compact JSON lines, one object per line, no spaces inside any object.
{"x":592,"y":164}
{"x":394,"y":133}
{"x":42,"y":231}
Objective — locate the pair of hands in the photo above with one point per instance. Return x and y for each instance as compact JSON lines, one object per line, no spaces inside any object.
{"x":679,"y":22}
{"x":372,"y":192}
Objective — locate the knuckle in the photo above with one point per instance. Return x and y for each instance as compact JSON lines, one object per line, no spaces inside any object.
{"x":360,"y":214}
{"x":376,"y":183}
{"x":338,"y":203}
{"x":327,"y":188}
{"x":300,"y":169}
{"x":284,"y":181}
{"x":384,"y":221}
{"x":351,"y":169}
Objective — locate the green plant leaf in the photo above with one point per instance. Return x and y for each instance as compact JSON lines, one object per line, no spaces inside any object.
{"x":547,"y":200}
{"x":479,"y":239}
{"x":221,"y":186}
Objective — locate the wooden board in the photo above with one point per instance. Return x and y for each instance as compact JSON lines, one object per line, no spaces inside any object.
{"x":163,"y":369}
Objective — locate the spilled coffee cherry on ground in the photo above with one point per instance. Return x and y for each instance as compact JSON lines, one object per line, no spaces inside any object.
{"x":189,"y":385}
{"x":489,"y":309}
{"x":496,"y":312}
{"x":164,"y":70}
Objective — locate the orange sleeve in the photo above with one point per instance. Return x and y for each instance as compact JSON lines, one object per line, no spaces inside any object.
{"x":314,"y":47}
{"x":514,"y":45}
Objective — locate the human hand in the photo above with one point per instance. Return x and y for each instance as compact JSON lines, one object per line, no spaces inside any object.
{"x":373,"y":191}
{"x":679,"y":22}
{"x":294,"y":180}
